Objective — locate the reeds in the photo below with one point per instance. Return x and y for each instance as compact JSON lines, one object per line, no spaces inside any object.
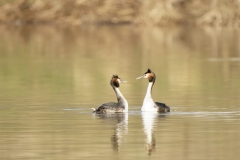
{"x":153,"y":12}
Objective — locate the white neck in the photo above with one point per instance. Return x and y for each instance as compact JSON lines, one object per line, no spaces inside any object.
{"x":149,"y":89}
{"x":121,"y":99}
{"x":148,"y":103}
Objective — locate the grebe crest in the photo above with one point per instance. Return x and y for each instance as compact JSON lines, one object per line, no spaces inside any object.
{"x":149,"y":75}
{"x":116,"y":80}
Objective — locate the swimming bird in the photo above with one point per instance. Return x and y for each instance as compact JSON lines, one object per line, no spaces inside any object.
{"x":113,"y":107}
{"x":148,"y":103}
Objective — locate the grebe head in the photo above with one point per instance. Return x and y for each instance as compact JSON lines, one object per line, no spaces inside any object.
{"x":115,"y":81}
{"x":149,"y":75}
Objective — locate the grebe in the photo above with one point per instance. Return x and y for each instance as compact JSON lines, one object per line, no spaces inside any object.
{"x":112,"y":107}
{"x":148,"y":103}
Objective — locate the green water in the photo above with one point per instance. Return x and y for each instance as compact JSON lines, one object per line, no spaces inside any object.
{"x":51,"y":77}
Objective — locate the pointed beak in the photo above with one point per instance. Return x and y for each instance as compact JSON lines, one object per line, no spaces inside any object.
{"x":123,"y":81}
{"x":140,"y":77}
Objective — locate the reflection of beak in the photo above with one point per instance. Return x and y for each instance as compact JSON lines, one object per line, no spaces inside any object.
{"x":140,"y":77}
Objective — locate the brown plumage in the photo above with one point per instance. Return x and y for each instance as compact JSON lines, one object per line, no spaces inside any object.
{"x":110,"y":107}
{"x":162,"y":107}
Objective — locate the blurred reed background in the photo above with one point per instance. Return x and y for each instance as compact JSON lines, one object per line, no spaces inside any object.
{"x":154,"y":12}
{"x":51,"y":77}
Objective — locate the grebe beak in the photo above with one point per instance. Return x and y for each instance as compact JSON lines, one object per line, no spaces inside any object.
{"x":123,"y":81}
{"x":141,"y":77}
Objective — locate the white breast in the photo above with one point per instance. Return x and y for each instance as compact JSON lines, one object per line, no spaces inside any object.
{"x":148,"y":105}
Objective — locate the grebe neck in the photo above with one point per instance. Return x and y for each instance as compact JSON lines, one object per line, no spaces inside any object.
{"x":148,"y":103}
{"x":149,"y":90}
{"x":121,"y":100}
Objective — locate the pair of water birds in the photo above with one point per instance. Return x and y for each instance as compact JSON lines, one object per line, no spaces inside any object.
{"x":122,"y":104}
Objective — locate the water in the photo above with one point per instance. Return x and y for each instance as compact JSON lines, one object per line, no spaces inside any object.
{"x":51,"y":77}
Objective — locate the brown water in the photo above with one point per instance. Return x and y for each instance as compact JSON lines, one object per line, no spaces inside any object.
{"x":50,"y":78}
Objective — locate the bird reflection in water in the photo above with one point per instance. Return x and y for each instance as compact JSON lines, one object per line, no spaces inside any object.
{"x":120,"y":129}
{"x":149,"y":119}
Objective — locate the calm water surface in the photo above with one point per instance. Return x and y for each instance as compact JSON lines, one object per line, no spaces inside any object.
{"x":51,"y":77}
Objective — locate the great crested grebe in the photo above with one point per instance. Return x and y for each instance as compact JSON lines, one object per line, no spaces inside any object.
{"x":148,"y":103}
{"x":112,"y":107}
